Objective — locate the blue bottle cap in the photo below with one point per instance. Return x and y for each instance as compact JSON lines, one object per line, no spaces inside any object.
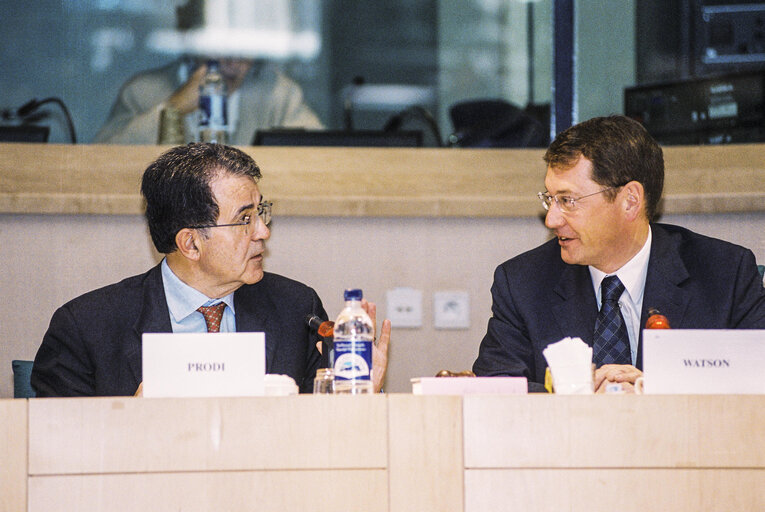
{"x":353,"y":294}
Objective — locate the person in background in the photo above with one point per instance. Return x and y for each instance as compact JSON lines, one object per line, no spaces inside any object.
{"x":260,"y":97}
{"x":610,"y":262}
{"x":207,"y":216}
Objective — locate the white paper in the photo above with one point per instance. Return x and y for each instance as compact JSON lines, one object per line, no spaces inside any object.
{"x":204,"y":364}
{"x":711,"y":361}
{"x":469,"y":385}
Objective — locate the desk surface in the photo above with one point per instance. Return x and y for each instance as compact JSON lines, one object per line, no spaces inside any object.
{"x":415,"y":182}
{"x":382,"y":453}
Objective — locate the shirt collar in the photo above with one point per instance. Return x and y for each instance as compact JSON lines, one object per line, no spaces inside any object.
{"x":182,"y":299}
{"x":632,"y":274}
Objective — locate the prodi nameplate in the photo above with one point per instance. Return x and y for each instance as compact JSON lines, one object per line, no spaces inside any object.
{"x":203,"y":364}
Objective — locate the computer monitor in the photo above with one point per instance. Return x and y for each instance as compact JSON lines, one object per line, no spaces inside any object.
{"x":355,"y":138}
{"x":24,"y":133}
{"x":718,"y":110}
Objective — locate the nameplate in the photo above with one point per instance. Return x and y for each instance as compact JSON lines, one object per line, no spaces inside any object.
{"x":204,"y":364}
{"x":469,"y":385}
{"x":708,"y":361}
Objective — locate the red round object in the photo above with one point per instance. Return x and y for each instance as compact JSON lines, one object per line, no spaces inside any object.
{"x":657,"y":321}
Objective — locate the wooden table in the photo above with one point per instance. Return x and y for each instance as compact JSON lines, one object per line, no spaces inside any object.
{"x":385,"y":453}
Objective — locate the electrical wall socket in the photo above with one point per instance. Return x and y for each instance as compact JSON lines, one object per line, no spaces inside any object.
{"x":404,"y":307}
{"x":451,"y":310}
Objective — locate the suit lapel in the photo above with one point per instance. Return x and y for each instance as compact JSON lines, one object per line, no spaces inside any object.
{"x":255,"y":312}
{"x":574,"y":307}
{"x":666,"y":271}
{"x":154,"y":317}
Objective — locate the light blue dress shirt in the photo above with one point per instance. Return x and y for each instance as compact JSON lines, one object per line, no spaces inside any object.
{"x":183,"y":301}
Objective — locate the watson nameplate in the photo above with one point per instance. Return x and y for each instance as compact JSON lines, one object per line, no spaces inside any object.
{"x":708,"y":361}
{"x":204,"y":364}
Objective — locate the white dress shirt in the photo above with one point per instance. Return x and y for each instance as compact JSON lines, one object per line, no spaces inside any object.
{"x":632,"y":275}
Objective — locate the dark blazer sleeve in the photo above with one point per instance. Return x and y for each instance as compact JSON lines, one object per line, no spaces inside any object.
{"x":93,"y":344}
{"x":748,"y":311}
{"x":62,"y":366}
{"x":506,"y":349}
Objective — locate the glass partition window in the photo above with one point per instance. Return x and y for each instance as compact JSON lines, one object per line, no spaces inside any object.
{"x":392,"y":55}
{"x":355,"y":64}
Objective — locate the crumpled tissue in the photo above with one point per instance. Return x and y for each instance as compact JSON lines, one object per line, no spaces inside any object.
{"x":570,"y":362}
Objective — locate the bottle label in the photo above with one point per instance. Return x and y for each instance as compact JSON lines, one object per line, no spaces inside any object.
{"x":212,"y":112}
{"x":353,"y":360}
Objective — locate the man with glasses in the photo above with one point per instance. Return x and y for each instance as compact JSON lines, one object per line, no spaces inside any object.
{"x":610,"y":263}
{"x":207,"y":216}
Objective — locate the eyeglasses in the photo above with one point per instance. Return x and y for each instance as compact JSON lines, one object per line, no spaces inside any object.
{"x":566,"y":204}
{"x":249,"y":220}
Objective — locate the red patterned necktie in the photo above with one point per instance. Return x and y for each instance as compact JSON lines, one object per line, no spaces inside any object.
{"x":213,"y":315}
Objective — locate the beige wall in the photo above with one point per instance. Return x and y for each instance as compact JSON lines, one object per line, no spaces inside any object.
{"x":49,"y":259}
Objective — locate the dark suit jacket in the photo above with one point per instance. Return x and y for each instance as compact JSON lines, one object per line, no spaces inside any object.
{"x":697,"y":282}
{"x":93,"y":343}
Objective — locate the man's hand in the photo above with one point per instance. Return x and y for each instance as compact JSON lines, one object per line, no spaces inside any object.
{"x":186,"y":98}
{"x":139,"y":391}
{"x":625,"y":374}
{"x":380,"y":348}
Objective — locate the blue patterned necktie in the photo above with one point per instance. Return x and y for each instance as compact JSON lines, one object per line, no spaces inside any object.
{"x":610,"y":345}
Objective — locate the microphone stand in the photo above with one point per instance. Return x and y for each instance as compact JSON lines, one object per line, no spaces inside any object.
{"x":31,"y":106}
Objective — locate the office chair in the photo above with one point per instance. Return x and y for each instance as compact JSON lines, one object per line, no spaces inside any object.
{"x":495,"y":124}
{"x":22,"y":371}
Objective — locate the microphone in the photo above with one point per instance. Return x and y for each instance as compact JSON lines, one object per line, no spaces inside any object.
{"x":325,"y":328}
{"x":28,"y":107}
{"x":656,"y":320}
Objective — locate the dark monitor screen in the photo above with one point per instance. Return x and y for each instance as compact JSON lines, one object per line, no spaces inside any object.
{"x":357,"y":138}
{"x":25,"y":133}
{"x":727,"y":108}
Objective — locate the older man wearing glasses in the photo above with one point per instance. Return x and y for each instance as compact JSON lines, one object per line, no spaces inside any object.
{"x":206,"y":214}
{"x":609,"y":263}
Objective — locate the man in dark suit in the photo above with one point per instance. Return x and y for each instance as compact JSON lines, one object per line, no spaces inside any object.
{"x":604,"y":181}
{"x":206,"y":214}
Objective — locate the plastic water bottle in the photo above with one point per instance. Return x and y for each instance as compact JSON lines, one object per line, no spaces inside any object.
{"x":353,"y":336}
{"x":212,"y":105}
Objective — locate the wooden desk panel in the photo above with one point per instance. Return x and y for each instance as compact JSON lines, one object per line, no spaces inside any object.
{"x":425,"y":453}
{"x":394,"y":452}
{"x":264,"y":491}
{"x":609,"y":490}
{"x":540,"y":431}
{"x":13,"y":455}
{"x":131,"y":435}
